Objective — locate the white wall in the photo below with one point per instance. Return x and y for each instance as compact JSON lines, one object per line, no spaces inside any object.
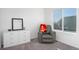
{"x":32,"y":18}
{"x":69,"y":38}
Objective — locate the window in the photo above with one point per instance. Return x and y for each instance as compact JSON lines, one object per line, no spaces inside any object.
{"x":65,"y":17}
{"x":58,"y":19}
{"x":69,"y":19}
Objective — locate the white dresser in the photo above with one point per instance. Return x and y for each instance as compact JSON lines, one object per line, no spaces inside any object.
{"x":13,"y":38}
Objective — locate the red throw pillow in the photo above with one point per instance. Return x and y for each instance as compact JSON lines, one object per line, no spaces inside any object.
{"x":43,"y":27}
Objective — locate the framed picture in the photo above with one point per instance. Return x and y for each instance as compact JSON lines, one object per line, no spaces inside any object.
{"x":17,"y":24}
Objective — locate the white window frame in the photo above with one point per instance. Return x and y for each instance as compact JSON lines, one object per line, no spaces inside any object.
{"x":57,"y":30}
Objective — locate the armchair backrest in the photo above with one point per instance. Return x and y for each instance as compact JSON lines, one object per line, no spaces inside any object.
{"x":49,"y":29}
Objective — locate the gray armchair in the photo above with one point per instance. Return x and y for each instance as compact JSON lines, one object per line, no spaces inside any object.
{"x":48,"y":36}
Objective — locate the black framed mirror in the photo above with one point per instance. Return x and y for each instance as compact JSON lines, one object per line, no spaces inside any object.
{"x":17,"y":24}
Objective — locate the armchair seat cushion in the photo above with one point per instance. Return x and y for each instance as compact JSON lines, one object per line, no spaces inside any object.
{"x":47,"y":40}
{"x":47,"y":36}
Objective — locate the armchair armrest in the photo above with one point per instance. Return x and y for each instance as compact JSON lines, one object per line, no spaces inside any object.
{"x":53,"y":34}
{"x":40,"y":36}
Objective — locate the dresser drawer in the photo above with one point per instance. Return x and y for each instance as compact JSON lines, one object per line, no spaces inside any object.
{"x":15,"y":38}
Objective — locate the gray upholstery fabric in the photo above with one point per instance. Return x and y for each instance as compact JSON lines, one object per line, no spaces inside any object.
{"x":48,"y":36}
{"x":49,"y":29}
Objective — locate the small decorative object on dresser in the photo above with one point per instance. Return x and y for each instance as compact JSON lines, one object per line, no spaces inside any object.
{"x":9,"y":29}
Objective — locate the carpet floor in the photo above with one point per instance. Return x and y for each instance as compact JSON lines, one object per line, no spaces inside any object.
{"x":35,"y":45}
